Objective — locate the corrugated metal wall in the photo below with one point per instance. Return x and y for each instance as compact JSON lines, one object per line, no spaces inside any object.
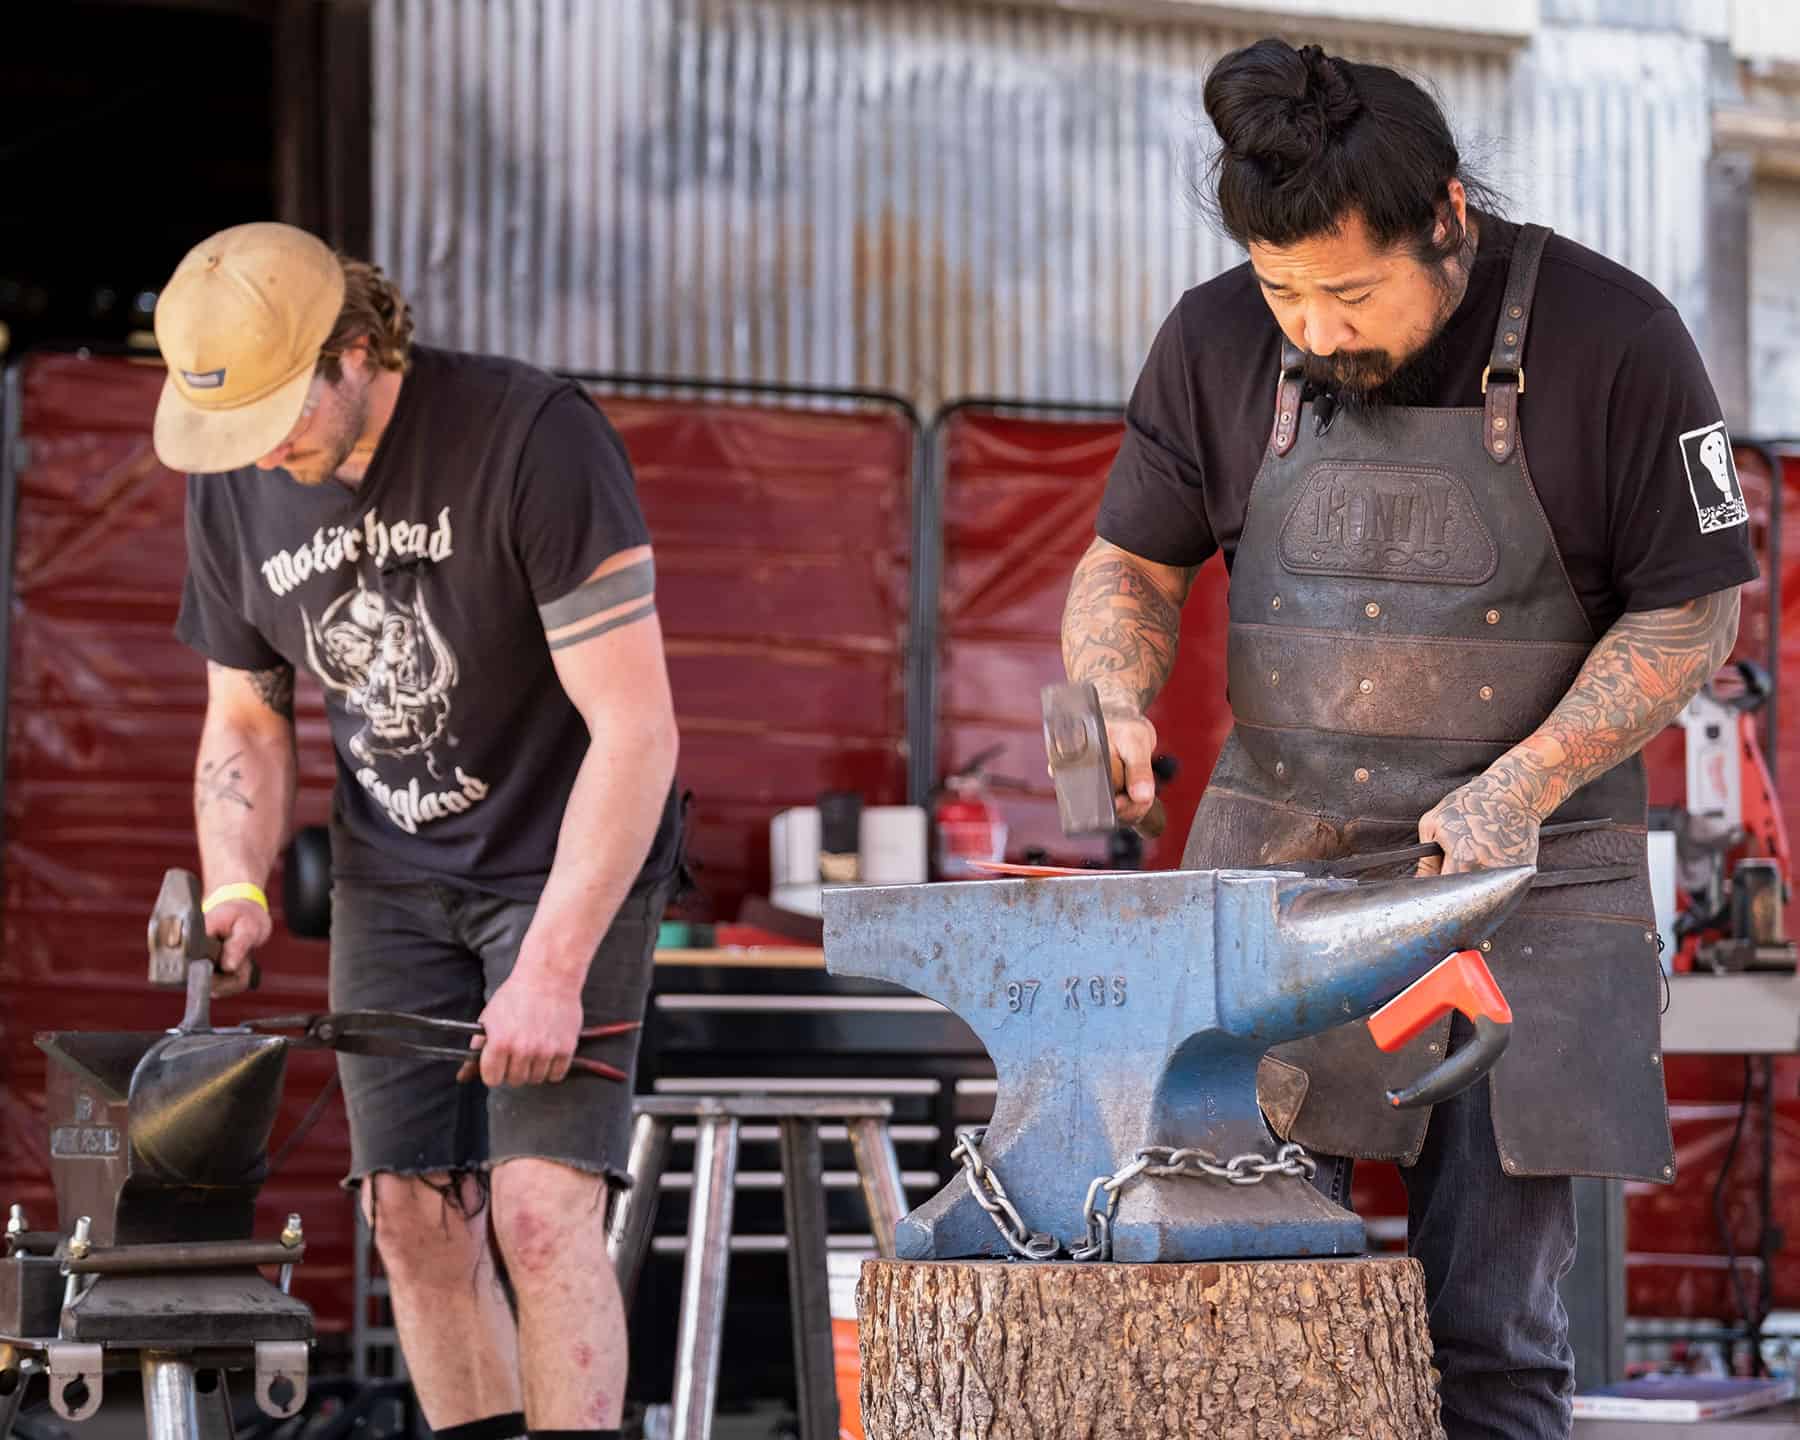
{"x":913,"y":195}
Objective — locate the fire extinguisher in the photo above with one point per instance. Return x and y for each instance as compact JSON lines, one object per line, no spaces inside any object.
{"x":966,"y":823}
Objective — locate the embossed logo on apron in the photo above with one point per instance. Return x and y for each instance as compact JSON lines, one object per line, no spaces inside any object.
{"x":1387,"y":522}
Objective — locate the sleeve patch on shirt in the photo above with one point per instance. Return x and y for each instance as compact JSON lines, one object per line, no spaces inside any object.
{"x":1713,"y":478}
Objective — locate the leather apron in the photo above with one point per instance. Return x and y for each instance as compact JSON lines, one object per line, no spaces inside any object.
{"x":1400,"y":618}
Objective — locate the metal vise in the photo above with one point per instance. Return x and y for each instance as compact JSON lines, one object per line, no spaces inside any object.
{"x":1127,"y":1013}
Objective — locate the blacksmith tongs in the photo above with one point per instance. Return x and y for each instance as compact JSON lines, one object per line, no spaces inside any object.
{"x":418,"y":1037}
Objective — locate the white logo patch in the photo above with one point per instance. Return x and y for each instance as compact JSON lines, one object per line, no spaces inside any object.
{"x":1713,"y":478}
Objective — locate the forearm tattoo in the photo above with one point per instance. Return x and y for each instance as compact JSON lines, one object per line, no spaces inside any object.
{"x":1635,"y":681}
{"x":1120,"y":629}
{"x":218,"y":783}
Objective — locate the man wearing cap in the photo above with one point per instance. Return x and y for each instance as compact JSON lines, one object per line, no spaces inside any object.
{"x":451,"y":545}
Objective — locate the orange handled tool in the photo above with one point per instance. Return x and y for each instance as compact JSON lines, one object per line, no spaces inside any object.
{"x":1461,"y":982}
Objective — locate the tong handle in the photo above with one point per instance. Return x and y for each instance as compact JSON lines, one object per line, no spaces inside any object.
{"x":1355,"y":864}
{"x":1460,"y":982}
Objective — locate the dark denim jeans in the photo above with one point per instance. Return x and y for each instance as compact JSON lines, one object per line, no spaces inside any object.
{"x":1494,"y":1250}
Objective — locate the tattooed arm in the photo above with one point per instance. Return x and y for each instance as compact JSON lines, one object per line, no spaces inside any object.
{"x":1634,"y":682}
{"x":1120,"y":628}
{"x":244,"y":778}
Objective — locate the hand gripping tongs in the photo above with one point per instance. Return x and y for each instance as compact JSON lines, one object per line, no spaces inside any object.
{"x":399,"y":1033}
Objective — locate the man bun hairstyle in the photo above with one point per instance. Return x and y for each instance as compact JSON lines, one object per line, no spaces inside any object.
{"x":1306,"y":137}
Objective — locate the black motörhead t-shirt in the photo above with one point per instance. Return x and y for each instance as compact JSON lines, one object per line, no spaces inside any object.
{"x":1622,"y":432}
{"x":413,"y":600}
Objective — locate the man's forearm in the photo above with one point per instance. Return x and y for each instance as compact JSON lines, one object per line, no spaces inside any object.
{"x":243,"y":800}
{"x":607,"y":829}
{"x":1121,"y":625}
{"x":1634,"y":682}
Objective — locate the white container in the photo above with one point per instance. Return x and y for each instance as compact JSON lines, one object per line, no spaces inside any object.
{"x":895,"y":845}
{"x":794,"y":848}
{"x":892,"y":841}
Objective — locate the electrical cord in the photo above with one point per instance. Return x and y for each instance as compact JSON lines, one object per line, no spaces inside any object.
{"x":1750,"y":1323}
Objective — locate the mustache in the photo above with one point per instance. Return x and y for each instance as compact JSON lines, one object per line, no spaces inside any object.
{"x":1352,"y":372}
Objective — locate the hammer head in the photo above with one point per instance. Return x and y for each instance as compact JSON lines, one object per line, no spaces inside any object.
{"x":1080,"y":761}
{"x":177,"y":932}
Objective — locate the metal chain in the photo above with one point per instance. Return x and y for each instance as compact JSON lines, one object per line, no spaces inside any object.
{"x":1160,"y":1162}
{"x":991,"y":1196}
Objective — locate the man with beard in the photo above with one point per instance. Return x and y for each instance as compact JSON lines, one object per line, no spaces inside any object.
{"x":1430,"y":640}
{"x":452,"y":543}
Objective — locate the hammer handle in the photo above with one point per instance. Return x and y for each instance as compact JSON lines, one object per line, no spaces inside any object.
{"x":1155,"y":821}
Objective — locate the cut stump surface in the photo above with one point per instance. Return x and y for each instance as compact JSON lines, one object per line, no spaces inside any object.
{"x":1241,"y":1350}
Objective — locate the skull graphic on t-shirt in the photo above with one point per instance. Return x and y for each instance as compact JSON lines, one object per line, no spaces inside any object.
{"x":389,"y":664}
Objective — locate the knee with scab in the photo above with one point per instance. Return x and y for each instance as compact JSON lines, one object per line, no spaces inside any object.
{"x":539,"y":1216}
{"x":416,"y":1219}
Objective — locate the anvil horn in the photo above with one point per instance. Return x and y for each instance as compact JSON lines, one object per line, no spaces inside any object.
{"x":1344,"y":950}
{"x":203,"y":1106}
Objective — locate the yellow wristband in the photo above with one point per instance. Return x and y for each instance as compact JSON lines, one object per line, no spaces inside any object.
{"x":243,"y":890}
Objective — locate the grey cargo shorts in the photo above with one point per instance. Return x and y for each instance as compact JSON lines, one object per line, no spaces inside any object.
{"x":439,"y":950}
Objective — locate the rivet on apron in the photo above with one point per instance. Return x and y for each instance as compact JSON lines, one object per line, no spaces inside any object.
{"x":1371,"y":609}
{"x":1274,"y":677}
{"x":1655,"y":1059}
{"x":1365,"y":686}
{"x":1432,"y":1048}
{"x":1280,"y":768}
{"x":1275,"y":604}
{"x":1668,"y":1170}
{"x":1516,"y":311}
{"x":1362,"y":776}
{"x":1649,"y":937}
{"x":1499,"y":422}
{"x":1486,"y":946}
{"x":1510,"y":1163}
{"x":1287,"y":417}
{"x":1493,"y":617}
{"x":1499,"y":447}
{"x":1512,"y":337}
{"x":1487,"y":692}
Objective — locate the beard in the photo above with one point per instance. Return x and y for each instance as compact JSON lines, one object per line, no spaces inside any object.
{"x":1375,"y":379}
{"x":322,"y":460}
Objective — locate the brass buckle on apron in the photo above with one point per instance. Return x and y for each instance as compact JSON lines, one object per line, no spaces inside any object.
{"x":1518,"y":374}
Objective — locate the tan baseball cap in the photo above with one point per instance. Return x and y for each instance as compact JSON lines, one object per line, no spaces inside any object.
{"x":240,"y":324}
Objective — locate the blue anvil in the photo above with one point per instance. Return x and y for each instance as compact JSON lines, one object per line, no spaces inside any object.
{"x":1130,"y":1011}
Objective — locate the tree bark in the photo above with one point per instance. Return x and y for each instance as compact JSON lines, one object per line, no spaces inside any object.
{"x":1241,"y":1350}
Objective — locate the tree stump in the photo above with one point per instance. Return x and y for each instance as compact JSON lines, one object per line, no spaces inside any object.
{"x":1242,"y":1350}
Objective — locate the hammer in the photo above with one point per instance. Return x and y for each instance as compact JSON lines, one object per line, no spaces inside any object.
{"x":1082,"y":765}
{"x":181,"y":952}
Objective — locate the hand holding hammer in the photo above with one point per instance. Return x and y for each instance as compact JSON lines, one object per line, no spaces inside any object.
{"x":1100,"y":763}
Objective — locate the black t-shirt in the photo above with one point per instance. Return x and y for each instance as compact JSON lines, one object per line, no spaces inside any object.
{"x":1615,"y":418}
{"x":413,"y":599}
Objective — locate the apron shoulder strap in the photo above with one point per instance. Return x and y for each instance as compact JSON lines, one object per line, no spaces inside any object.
{"x":1287,"y":399}
{"x":1503,"y":381}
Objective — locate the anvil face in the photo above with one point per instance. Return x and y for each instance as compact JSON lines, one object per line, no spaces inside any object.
{"x":1124,"y":1011}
